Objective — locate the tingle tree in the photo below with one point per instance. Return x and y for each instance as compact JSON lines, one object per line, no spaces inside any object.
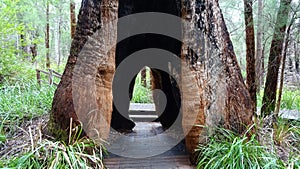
{"x":210,"y":91}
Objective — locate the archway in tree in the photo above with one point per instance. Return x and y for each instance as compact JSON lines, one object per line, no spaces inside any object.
{"x":211,"y":85}
{"x":160,"y":80}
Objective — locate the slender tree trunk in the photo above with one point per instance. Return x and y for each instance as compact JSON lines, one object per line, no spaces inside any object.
{"x":72,"y":18}
{"x":291,"y":63}
{"x":59,"y":39}
{"x":47,"y":37}
{"x":284,"y":53}
{"x":269,"y":98}
{"x":33,"y":48}
{"x":143,"y":77}
{"x":297,"y":53}
{"x":259,"y":47}
{"x":250,"y":55}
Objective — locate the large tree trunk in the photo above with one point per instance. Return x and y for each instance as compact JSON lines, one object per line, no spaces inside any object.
{"x":212,"y":89}
{"x":269,"y":98}
{"x":250,"y":54}
{"x":220,"y":97}
{"x":86,"y":85}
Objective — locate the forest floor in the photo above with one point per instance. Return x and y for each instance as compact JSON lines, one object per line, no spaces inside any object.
{"x":29,"y":133}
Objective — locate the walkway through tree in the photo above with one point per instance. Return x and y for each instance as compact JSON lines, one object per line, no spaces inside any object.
{"x":175,"y":157}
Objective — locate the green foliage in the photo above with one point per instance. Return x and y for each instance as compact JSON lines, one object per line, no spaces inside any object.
{"x":24,"y":100}
{"x":2,"y":134}
{"x":142,"y":94}
{"x":282,"y":130}
{"x":78,"y":153}
{"x":9,"y":29}
{"x":290,"y":99}
{"x":226,"y":149}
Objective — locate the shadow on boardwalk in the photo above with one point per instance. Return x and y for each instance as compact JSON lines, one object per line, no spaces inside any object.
{"x":147,"y":138}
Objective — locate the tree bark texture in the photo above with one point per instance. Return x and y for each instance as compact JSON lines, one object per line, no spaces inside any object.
{"x":212,"y":91}
{"x":59,"y":53}
{"x":269,"y":98}
{"x":250,"y":54}
{"x":86,"y":84}
{"x":259,"y":59}
{"x":221,"y":97}
{"x":283,"y":63}
{"x":47,"y":36}
{"x":72,"y":18}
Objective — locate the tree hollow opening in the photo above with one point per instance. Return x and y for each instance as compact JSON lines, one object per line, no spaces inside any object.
{"x":160,"y":80}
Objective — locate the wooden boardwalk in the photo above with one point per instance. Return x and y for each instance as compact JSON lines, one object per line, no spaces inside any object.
{"x":167,"y":162}
{"x":148,"y":147}
{"x":151,"y":147}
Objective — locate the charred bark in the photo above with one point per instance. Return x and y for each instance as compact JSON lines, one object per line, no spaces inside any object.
{"x":168,"y":114}
{"x":211,"y":93}
{"x":223,"y":99}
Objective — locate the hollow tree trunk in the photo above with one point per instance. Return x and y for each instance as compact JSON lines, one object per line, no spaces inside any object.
{"x":86,"y":84}
{"x":212,"y":89}
{"x":220,"y":97}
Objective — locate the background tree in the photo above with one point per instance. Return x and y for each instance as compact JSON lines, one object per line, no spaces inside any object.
{"x":250,"y":54}
{"x":47,"y":36}
{"x":284,"y":53}
{"x":72,"y":18}
{"x":259,"y":55}
{"x":269,"y":98}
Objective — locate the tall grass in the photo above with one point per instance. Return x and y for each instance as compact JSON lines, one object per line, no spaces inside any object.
{"x":226,"y":149}
{"x":76,"y":154}
{"x":25,"y":100}
{"x":22,"y":101}
{"x":290,"y":99}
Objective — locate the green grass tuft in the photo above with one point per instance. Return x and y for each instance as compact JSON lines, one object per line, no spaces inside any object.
{"x":22,"y":101}
{"x":227,"y":150}
{"x":290,"y":99}
{"x":77,"y":153}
